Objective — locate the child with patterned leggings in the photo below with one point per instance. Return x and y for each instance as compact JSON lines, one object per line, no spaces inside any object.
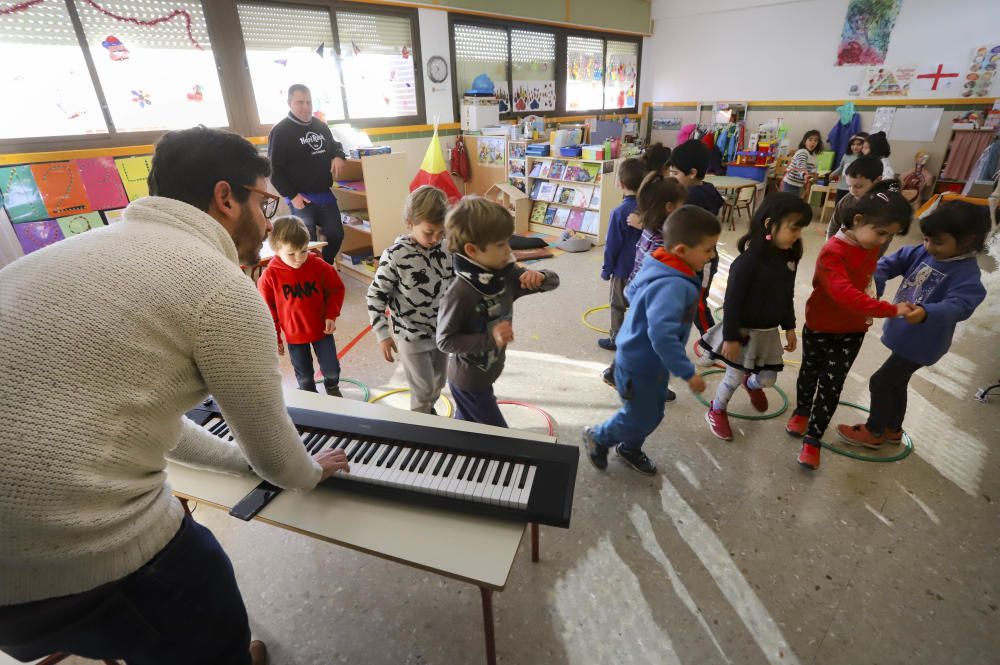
{"x":839,"y":311}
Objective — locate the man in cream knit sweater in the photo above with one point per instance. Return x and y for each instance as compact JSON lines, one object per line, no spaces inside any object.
{"x":109,"y":337}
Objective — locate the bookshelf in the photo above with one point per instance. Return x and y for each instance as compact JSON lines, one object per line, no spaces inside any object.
{"x":570,"y":192}
{"x":516,"y":164}
{"x":375,"y":187}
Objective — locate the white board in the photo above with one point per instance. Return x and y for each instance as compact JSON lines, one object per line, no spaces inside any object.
{"x":915,"y":124}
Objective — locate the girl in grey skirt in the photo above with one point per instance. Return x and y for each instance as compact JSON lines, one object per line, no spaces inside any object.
{"x":758,"y":304}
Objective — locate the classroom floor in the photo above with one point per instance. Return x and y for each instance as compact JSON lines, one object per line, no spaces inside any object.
{"x":732,"y":554}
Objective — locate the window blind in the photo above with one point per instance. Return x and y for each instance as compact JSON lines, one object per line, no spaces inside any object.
{"x":277,"y":27}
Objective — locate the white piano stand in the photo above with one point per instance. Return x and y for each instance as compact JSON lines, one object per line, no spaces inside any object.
{"x":480,"y":550}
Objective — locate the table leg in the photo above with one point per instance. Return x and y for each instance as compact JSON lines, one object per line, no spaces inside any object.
{"x":184,"y":503}
{"x":491,"y":645}
{"x":534,"y":542}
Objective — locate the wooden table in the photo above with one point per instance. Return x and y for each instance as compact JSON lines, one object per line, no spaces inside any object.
{"x":468,"y":548}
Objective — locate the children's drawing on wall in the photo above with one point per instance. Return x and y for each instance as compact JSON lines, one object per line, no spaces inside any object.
{"x":491,"y":151}
{"x":619,"y":88}
{"x":979,"y":78}
{"x":534,"y":95}
{"x":503,"y":96}
{"x":889,"y":81}
{"x":670,"y":124}
{"x":867,"y":29}
{"x":35,"y":235}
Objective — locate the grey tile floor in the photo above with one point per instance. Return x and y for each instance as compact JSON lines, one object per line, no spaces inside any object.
{"x":731,"y":554}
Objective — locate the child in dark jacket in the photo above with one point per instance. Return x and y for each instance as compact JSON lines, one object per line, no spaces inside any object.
{"x":619,"y":246}
{"x":942,"y":279}
{"x":663,"y":297}
{"x":759,"y":303}
{"x":839,"y":311}
{"x":304,"y":294}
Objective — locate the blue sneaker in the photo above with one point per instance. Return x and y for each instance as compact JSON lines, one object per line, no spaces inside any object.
{"x":597,"y":453}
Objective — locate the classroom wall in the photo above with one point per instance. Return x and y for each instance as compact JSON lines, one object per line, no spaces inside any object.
{"x":746,"y":50}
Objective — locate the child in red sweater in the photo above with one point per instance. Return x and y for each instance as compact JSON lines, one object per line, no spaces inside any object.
{"x":304,"y":295}
{"x":839,"y":310}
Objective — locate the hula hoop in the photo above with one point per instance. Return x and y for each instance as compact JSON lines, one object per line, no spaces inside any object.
{"x":396,"y":391}
{"x":548,"y":419}
{"x":590,"y":325}
{"x":763,"y":416}
{"x":904,"y":453}
{"x":365,"y":392}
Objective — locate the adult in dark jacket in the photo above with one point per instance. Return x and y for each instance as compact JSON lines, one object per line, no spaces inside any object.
{"x":304,"y":161}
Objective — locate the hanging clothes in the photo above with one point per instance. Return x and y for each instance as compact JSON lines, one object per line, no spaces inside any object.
{"x":686,"y":133}
{"x":985,"y":167}
{"x":839,"y":138}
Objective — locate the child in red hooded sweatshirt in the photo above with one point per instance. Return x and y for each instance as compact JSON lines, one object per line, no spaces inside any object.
{"x":304,"y":294}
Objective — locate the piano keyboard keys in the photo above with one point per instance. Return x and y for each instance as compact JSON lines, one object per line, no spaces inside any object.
{"x":476,"y":478}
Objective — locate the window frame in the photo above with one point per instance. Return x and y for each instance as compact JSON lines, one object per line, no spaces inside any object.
{"x":561,"y":34}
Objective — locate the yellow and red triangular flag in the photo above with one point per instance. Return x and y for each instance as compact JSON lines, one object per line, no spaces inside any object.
{"x":434,"y":172}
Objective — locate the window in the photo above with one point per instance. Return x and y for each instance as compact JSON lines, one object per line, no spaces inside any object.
{"x":377,"y":57}
{"x":480,"y":50}
{"x":155,"y":63}
{"x":533,"y":70}
{"x":621,"y":74}
{"x":286,"y":45}
{"x":47,"y":89}
{"x":584,"y":73}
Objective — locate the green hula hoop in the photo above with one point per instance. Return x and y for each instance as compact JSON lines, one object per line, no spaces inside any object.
{"x":365,"y":392}
{"x":763,"y":416}
{"x":904,"y":453}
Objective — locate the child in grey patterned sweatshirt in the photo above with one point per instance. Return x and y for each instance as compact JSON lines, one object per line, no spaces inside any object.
{"x":413,"y":273}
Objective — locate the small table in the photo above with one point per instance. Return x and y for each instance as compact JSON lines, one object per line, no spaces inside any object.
{"x":725,"y":182}
{"x":469,"y":548}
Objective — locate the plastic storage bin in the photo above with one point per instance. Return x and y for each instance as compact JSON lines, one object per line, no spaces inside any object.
{"x":570,"y":151}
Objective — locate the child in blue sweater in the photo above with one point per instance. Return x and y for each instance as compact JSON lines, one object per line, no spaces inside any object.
{"x":941,"y":278}
{"x":619,"y":246}
{"x":663,"y":301}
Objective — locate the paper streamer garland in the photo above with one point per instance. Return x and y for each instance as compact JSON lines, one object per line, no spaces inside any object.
{"x":152,"y":22}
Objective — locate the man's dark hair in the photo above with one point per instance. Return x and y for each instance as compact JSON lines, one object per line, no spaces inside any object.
{"x":692,"y":154}
{"x":879,"y":145}
{"x":967,"y":223}
{"x":689,"y":225}
{"x":865,"y":166}
{"x":630,"y":174}
{"x":297,"y":87}
{"x":187,"y":164}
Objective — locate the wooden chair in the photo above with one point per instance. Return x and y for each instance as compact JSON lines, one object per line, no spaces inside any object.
{"x":829,"y":205}
{"x":744,"y":199}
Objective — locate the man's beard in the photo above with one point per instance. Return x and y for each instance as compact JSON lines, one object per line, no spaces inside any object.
{"x":248,"y":238}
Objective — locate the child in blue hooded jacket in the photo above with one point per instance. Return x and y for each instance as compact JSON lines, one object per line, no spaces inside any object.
{"x":941,"y":278}
{"x":663,"y":300}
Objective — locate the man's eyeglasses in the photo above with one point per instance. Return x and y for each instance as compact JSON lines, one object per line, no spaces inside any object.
{"x":270,"y":204}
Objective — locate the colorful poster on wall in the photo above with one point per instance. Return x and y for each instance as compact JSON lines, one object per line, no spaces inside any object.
{"x":490,"y":151}
{"x":938,"y":79}
{"x":102,"y":182}
{"x":982,"y":72}
{"x":35,"y":235}
{"x":867,"y":29}
{"x":133,"y":172}
{"x":889,"y":81}
{"x":534,"y":96}
{"x":61,"y":188}
{"x":502,"y":95}
{"x":74,"y":225}
{"x":619,"y":80}
{"x":883,"y":119}
{"x":20,"y":195}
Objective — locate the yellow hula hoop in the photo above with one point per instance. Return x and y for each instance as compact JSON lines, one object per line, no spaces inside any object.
{"x":590,"y":325}
{"x":396,"y":391}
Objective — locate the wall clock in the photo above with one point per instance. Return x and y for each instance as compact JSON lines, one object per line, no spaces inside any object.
{"x":437,"y":69}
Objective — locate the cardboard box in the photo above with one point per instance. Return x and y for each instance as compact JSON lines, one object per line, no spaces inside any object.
{"x":479,"y":112}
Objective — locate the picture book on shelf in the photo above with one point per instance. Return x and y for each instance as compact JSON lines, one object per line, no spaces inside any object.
{"x":587,"y":173}
{"x":550,"y":215}
{"x":546,"y":166}
{"x":558,"y":170}
{"x":516,"y":168}
{"x":516,"y":149}
{"x":546,"y":192}
{"x":582,"y":196}
{"x":536,"y":170}
{"x":575,"y":220}
{"x":572,"y":173}
{"x":591,"y":222}
{"x":565,"y":195}
{"x":519,"y":183}
{"x":562,"y":216}
{"x":538,"y":212}
{"x":595,"y":198}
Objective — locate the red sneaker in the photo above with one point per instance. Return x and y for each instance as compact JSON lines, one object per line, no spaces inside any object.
{"x":757,"y":397}
{"x":859,"y":435}
{"x":809,"y":456}
{"x":797,"y":425}
{"x":718,"y":423}
{"x":893,"y":437}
